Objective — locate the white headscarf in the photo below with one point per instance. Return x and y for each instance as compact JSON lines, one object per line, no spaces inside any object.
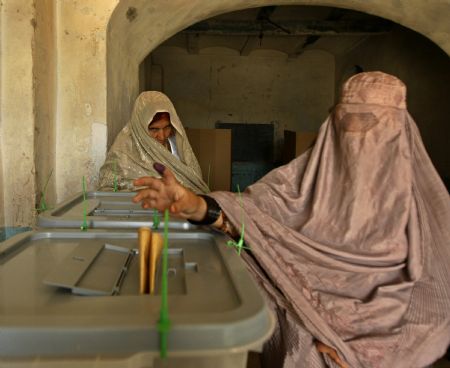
{"x":133,"y":153}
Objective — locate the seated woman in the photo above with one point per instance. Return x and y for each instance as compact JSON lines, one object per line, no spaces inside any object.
{"x":350,"y":241}
{"x":153,"y":134}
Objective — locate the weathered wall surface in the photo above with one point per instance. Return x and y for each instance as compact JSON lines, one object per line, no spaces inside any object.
{"x":425,"y":69}
{"x":17,"y":111}
{"x":81,"y":92}
{"x":265,"y":87}
{"x":44,"y":82}
{"x":137,"y":26}
{"x":92,"y":76}
{"x":220,"y":85}
{"x":2,"y":191}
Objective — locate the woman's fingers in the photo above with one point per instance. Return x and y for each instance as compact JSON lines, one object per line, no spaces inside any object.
{"x":160,"y":168}
{"x":141,"y":195}
{"x":145,"y":181}
{"x":152,"y":200}
{"x":169,"y":178}
{"x":166,"y":192}
{"x":153,"y":190}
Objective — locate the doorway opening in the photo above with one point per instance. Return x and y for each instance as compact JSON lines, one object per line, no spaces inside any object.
{"x":284,"y":65}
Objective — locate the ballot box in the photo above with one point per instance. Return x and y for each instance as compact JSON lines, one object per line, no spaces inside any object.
{"x":71,"y":299}
{"x":105,"y":210}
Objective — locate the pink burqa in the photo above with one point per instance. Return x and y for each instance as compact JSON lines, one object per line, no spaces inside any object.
{"x":351,"y":240}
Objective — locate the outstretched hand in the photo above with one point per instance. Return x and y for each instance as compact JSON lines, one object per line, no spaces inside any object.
{"x":168,"y":193}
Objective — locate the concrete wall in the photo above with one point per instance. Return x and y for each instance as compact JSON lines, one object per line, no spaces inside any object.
{"x":17,"y":111}
{"x":99,"y":45}
{"x":81,"y":92}
{"x":425,"y":69}
{"x":138,"y":26}
{"x":44,"y":73}
{"x":2,"y":191}
{"x":220,"y":85}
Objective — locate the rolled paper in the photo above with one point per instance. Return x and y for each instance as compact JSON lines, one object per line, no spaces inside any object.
{"x":155,"y":252}
{"x":144,"y":238}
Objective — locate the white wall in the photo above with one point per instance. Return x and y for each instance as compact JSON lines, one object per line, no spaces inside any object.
{"x":44,"y":72}
{"x":17,"y":111}
{"x":81,"y":92}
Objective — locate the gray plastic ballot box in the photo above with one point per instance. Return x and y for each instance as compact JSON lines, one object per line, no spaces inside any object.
{"x":105,"y":210}
{"x":71,"y":299}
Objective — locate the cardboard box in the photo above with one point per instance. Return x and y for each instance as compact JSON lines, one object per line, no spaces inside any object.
{"x":212,"y":147}
{"x":296,"y":143}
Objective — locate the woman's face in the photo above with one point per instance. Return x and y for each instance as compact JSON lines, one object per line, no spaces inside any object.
{"x":160,"y":128}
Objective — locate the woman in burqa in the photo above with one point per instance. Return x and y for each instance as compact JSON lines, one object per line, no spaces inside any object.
{"x":153,"y":134}
{"x":350,"y":241}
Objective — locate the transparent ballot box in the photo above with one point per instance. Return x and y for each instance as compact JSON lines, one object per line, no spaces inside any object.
{"x":71,"y":299}
{"x":105,"y":210}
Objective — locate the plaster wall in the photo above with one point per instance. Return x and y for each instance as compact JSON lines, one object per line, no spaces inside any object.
{"x":2,"y":191}
{"x":2,"y":204}
{"x":17,"y":112}
{"x":44,"y":73}
{"x":425,"y":69}
{"x":265,"y":87}
{"x":137,"y":26}
{"x":81,"y":92}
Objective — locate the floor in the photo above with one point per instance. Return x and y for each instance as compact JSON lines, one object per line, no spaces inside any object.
{"x":443,"y":363}
{"x":254,"y":361}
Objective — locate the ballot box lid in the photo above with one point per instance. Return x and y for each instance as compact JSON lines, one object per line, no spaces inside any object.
{"x":214,"y":304}
{"x":105,"y":210}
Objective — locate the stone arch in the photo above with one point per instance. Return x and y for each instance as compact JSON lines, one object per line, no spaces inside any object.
{"x":136,"y":27}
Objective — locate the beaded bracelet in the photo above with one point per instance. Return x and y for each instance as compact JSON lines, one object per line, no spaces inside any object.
{"x":213,"y":211}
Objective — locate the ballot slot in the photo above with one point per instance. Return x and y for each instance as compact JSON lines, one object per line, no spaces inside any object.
{"x":120,"y":212}
{"x":212,"y":299}
{"x":176,"y":272}
{"x":109,"y":269}
{"x":105,"y":210}
{"x":120,"y":207}
{"x":117,"y":203}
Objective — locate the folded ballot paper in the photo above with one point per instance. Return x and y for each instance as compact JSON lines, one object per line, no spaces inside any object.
{"x":150,"y":248}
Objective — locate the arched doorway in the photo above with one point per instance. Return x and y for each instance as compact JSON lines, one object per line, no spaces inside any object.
{"x":135,"y":31}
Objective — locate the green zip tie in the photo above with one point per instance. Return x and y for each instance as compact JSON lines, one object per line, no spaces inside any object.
{"x":115,"y":176}
{"x":42,"y":204}
{"x":84,"y":226}
{"x":240,"y":244}
{"x":155,"y":219}
{"x":164,"y":322}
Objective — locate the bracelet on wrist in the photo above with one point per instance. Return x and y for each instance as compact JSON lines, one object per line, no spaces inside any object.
{"x":213,"y":211}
